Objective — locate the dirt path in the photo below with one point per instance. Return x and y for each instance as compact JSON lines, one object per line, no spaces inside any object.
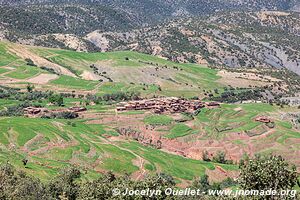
{"x":22,"y":52}
{"x":140,"y":161}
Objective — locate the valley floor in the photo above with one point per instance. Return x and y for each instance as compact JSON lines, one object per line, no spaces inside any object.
{"x":135,"y":142}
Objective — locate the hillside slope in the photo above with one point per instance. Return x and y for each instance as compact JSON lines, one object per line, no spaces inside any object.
{"x":232,"y":39}
{"x":61,"y":25}
{"x":242,"y":39}
{"x":137,"y":142}
{"x":158,"y":9}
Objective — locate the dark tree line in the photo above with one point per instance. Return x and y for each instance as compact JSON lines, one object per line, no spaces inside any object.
{"x":233,"y":96}
{"x":258,"y":173}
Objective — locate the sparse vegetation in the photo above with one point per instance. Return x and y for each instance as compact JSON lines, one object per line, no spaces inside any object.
{"x":158,"y":120}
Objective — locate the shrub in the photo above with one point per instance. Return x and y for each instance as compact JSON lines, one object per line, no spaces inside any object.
{"x":265,"y":172}
{"x":61,"y":115}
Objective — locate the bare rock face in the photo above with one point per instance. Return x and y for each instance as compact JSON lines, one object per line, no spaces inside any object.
{"x":99,"y":40}
{"x":296,"y":8}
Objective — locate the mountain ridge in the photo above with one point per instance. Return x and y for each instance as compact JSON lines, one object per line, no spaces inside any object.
{"x":241,"y":39}
{"x":232,"y":39}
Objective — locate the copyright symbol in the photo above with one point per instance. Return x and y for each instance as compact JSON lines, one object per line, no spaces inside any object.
{"x":116,"y":192}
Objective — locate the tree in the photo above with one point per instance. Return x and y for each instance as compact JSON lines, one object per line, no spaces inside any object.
{"x":102,"y":188}
{"x":64,"y":186}
{"x":244,"y":160}
{"x":202,"y":183}
{"x":30,"y":62}
{"x":17,"y":185}
{"x":267,"y":172}
{"x":30,"y":88}
{"x":220,"y":157}
{"x":25,"y":161}
{"x":57,"y":100}
{"x":205,"y":156}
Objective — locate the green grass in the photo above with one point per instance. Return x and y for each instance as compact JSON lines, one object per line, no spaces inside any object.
{"x":118,"y":161}
{"x":201,"y":77}
{"x":179,"y":130}
{"x":72,"y":59}
{"x":117,"y":57}
{"x":150,"y":167}
{"x":236,"y":118}
{"x":114,"y":87}
{"x":60,"y":154}
{"x":74,"y":83}
{"x":24,"y":129}
{"x":158,"y":120}
{"x":177,"y":166}
{"x":76,"y":140}
{"x":133,"y":112}
{"x":6,"y":103}
{"x":246,"y":116}
{"x":24,"y":72}
{"x":74,"y":143}
{"x":287,"y":125}
{"x":287,"y":134}
{"x":6,"y":57}
{"x":4,"y":70}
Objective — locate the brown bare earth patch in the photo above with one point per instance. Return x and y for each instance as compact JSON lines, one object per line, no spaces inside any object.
{"x":237,"y":79}
{"x":269,"y":15}
{"x":42,"y":78}
{"x":87,"y":75}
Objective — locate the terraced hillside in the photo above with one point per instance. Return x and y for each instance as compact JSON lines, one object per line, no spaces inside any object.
{"x":105,"y":72}
{"x":137,"y":142}
{"x":50,"y":145}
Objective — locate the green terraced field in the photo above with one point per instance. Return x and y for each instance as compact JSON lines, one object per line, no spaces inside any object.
{"x":74,"y":83}
{"x":5,"y":103}
{"x":128,"y":70}
{"x":179,"y":130}
{"x":158,"y":120}
{"x":235,"y":117}
{"x":5,"y":57}
{"x":110,"y":88}
{"x":132,"y":78}
{"x":51,"y":144}
{"x":240,"y":118}
{"x":24,"y":72}
{"x":3,"y":70}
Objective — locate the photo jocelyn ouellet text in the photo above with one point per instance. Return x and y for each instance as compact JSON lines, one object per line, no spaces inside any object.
{"x":197,"y":192}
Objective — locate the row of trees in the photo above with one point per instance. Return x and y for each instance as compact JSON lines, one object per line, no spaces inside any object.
{"x":16,"y":110}
{"x":219,"y":157}
{"x":61,"y":115}
{"x":36,"y":98}
{"x":117,"y":96}
{"x":259,"y":173}
{"x":232,"y":96}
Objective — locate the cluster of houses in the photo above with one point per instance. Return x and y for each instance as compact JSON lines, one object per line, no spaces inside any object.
{"x":39,"y":111}
{"x":263,"y":119}
{"x":166,"y":105}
